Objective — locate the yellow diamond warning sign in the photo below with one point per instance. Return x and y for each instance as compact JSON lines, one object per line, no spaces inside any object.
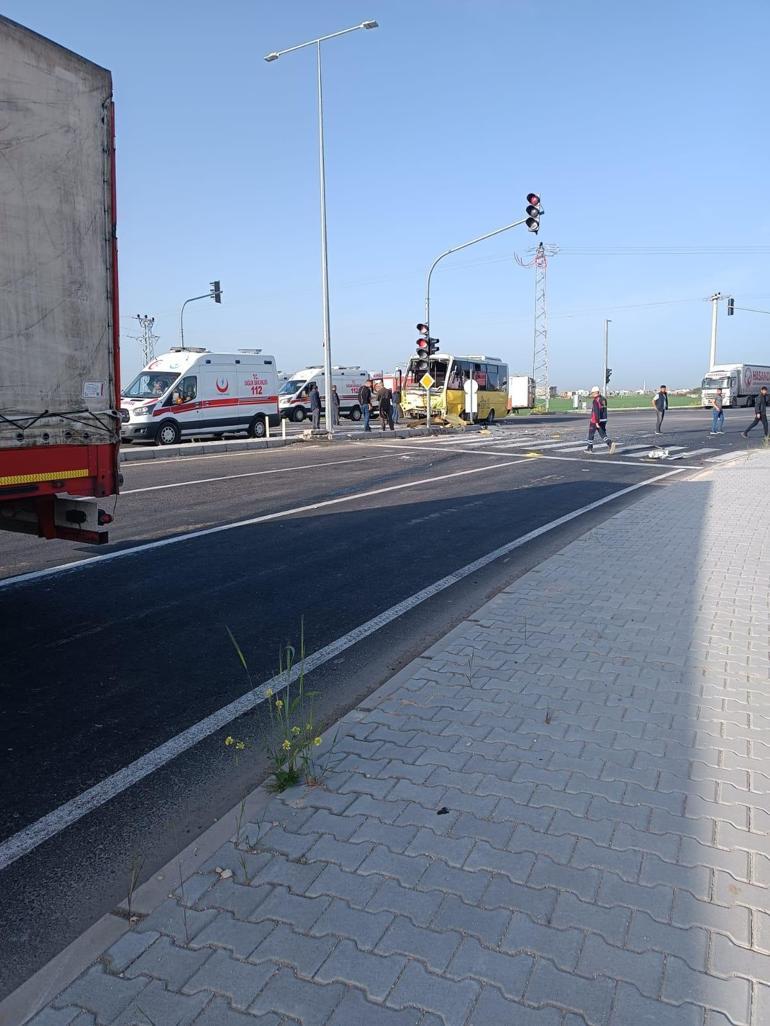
{"x":427,"y":381}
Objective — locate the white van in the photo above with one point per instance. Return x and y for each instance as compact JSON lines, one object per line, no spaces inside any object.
{"x":194,"y":392}
{"x":293,"y":397}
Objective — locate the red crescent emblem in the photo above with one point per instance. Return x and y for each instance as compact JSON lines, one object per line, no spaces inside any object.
{"x":222,"y":384}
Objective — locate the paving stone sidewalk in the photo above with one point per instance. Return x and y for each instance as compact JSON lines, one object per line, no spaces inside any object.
{"x":558,"y":816}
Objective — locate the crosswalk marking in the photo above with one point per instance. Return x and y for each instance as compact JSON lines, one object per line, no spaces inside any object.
{"x":669,"y":448}
{"x":699,"y":452}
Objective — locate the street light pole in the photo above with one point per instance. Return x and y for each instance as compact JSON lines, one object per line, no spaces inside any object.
{"x":606,"y":360}
{"x":713,"y":347}
{"x":329,"y":419}
{"x":206,"y":295}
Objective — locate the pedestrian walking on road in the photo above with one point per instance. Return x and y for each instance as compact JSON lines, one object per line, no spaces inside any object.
{"x":598,"y":420}
{"x":365,"y":402}
{"x":315,"y":406}
{"x":660,"y":402}
{"x":396,"y":404}
{"x":760,"y":413}
{"x":385,"y":401}
{"x":717,"y":414}
{"x":335,"y":407}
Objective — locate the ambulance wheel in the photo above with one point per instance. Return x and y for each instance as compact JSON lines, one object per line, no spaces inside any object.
{"x":168,"y":433}
{"x":355,"y":413}
{"x":491,"y":417}
{"x":298,"y":415}
{"x":257,"y":428}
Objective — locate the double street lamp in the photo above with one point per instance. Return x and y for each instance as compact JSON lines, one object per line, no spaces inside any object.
{"x":324,"y":249}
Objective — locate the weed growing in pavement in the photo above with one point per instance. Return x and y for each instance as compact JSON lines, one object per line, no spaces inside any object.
{"x":133,"y":879}
{"x":293,"y":736}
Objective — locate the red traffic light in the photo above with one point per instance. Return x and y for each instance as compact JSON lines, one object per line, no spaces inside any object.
{"x":422,"y":343}
{"x":533,"y":199}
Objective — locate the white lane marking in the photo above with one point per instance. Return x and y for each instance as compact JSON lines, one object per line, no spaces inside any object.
{"x":70,"y":812}
{"x":80,"y":564}
{"x":535,"y":454}
{"x":698,"y":452}
{"x":254,"y":473}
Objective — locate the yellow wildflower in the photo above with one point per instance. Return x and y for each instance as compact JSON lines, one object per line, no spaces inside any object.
{"x":278,"y":704}
{"x":269,"y":692}
{"x":316,"y":741}
{"x":308,"y":727}
{"x":239,"y":745}
{"x":229,"y":741}
{"x":286,"y":745}
{"x":295,"y":731}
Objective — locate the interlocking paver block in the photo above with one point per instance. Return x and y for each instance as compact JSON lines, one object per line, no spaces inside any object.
{"x":504,"y":893}
{"x":561,"y":946}
{"x":362,"y":926}
{"x":296,"y":909}
{"x":419,"y":906}
{"x":310,"y":1003}
{"x":645,"y":970}
{"x":435,"y":949}
{"x":351,"y":887}
{"x":355,"y":1010}
{"x":732,"y":996}
{"x":127,"y":949}
{"x":488,"y":925}
{"x":228,"y":932}
{"x":232,"y":896}
{"x":165,"y":960}
{"x":221,"y":1013}
{"x":450,"y":999}
{"x":551,"y":986}
{"x":632,"y":1009}
{"x":174,"y":920}
{"x":304,"y":953}
{"x":611,"y":923}
{"x":453,"y":850}
{"x":647,"y":934}
{"x":396,"y":838}
{"x":107,"y":996}
{"x":223,"y":974}
{"x":467,"y":885}
{"x":162,"y":1007}
{"x":374,"y":972}
{"x":55,"y":1016}
{"x":508,"y":972}
{"x":494,"y":1009}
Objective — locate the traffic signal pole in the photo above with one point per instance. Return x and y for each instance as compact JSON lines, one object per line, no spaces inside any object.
{"x":214,"y":293}
{"x":713,"y":347}
{"x":456,"y":249}
{"x":606,"y":353}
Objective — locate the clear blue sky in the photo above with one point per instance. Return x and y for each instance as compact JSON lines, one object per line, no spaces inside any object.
{"x":641,"y":125}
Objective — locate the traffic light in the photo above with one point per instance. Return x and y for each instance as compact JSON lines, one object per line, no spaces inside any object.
{"x":216,"y":291}
{"x":730,"y":306}
{"x":423,"y":348}
{"x":608,"y":376}
{"x":534,"y":211}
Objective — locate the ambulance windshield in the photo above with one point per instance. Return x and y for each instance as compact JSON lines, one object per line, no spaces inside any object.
{"x":290,"y":387}
{"x":150,"y":385}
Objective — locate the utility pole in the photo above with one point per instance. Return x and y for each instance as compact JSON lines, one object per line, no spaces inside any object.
{"x":713,"y":348}
{"x":540,"y":349}
{"x":606,"y":353}
{"x":146,"y":340}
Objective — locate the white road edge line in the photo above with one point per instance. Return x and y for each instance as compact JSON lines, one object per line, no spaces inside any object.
{"x":80,"y":564}
{"x":70,"y":812}
{"x":254,"y":473}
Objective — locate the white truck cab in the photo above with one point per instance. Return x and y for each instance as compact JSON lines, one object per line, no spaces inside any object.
{"x":293,"y":397}
{"x":740,"y":383}
{"x":190,"y":393}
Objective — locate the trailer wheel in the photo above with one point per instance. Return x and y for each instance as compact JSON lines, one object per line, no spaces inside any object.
{"x":491,"y":417}
{"x":168,"y":433}
{"x":298,"y":415}
{"x":257,"y":427}
{"x":355,"y":413}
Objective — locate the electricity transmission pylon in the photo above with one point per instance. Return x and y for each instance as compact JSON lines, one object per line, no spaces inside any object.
{"x":146,"y":340}
{"x":540,"y":371}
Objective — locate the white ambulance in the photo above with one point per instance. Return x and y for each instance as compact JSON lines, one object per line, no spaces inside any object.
{"x":192,"y":393}
{"x":293,"y":398}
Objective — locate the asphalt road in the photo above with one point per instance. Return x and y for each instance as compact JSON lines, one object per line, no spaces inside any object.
{"x":111,"y":658}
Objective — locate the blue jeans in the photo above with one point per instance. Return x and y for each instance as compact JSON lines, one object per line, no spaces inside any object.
{"x":717,"y":420}
{"x":366,"y":412}
{"x":396,"y":412}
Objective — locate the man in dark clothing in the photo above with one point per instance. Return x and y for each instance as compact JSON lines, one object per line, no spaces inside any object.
{"x":598,"y":420}
{"x":365,"y":402}
{"x":315,"y":405}
{"x":335,"y":407}
{"x":760,"y":413}
{"x":386,"y":407}
{"x":660,"y":402}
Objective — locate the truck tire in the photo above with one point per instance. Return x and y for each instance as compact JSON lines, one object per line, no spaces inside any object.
{"x":355,"y":413}
{"x":257,"y":427}
{"x":298,"y":415}
{"x":168,"y":433}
